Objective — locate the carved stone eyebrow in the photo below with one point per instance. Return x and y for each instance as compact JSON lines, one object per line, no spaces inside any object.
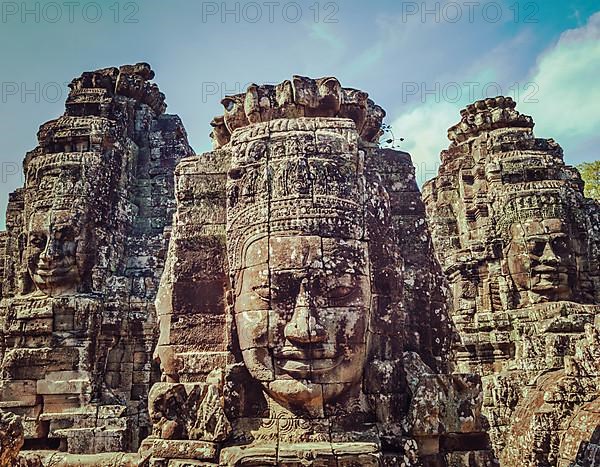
{"x":539,"y":238}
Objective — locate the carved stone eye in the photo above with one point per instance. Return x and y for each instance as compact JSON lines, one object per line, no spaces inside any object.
{"x":263,"y":291}
{"x":341,"y":287}
{"x":66,"y":234}
{"x":537,"y":247}
{"x":560,"y":245}
{"x":341,"y":291}
{"x":235,"y":173}
{"x":37,"y":240}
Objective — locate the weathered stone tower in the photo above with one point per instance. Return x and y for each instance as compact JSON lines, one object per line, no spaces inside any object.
{"x":302,"y":314}
{"x":81,"y":261}
{"x":519,"y":244}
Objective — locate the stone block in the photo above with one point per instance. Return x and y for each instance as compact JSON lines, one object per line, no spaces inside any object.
{"x":185,"y":449}
{"x":48,"y":387}
{"x":18,"y":394}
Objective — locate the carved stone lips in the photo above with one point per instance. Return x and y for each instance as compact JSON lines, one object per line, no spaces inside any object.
{"x":313,"y":353}
{"x":301,"y":362}
{"x":54,"y":272}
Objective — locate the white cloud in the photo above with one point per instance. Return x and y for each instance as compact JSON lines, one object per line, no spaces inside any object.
{"x":569,"y":91}
{"x":424,"y":132}
{"x":565,"y":106}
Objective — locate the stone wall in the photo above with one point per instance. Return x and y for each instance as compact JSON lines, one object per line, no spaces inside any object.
{"x":282,"y":299}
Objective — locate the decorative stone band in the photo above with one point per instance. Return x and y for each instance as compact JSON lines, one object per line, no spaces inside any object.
{"x":323,"y":216}
{"x":83,"y":124}
{"x":64,"y":180}
{"x":342,"y":126}
{"x":46,"y":162}
{"x":539,"y":204}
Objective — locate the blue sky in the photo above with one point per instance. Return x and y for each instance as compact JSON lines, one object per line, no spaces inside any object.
{"x":421,"y":61}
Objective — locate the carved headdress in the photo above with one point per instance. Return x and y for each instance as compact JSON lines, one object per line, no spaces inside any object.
{"x":312,"y":183}
{"x":539,"y":204}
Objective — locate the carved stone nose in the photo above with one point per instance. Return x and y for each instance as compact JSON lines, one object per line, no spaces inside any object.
{"x":548,"y":256}
{"x":303,"y":328}
{"x":52,"y":251}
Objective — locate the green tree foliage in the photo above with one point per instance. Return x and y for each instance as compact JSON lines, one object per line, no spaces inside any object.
{"x":590,"y":172}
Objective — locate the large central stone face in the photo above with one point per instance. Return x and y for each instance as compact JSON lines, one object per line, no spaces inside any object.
{"x":302,"y":315}
{"x":300,"y":267}
{"x":302,"y":323}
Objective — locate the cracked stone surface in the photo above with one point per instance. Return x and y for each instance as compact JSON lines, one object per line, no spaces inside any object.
{"x":302,"y":313}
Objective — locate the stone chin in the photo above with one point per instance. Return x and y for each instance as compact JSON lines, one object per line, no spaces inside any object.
{"x":550,"y":282}
{"x":58,"y":280}
{"x":551,"y":287}
{"x":300,"y":379}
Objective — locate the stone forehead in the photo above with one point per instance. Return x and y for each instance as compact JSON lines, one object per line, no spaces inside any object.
{"x":305,"y":251}
{"x":55,"y":216}
{"x":533,"y":227}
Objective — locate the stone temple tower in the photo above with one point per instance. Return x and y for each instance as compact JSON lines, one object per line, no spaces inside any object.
{"x":302,"y":314}
{"x":519,"y":244}
{"x":81,"y":260}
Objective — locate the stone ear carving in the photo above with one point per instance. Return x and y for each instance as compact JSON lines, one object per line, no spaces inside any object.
{"x":220,"y":133}
{"x":235,"y":117}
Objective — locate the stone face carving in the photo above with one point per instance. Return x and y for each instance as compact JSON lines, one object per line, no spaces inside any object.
{"x":519,"y":245}
{"x":545,"y":246}
{"x":542,"y":261}
{"x":83,"y":253}
{"x":51,"y":253}
{"x":302,"y":294}
{"x":302,"y":315}
{"x":314,"y":330}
